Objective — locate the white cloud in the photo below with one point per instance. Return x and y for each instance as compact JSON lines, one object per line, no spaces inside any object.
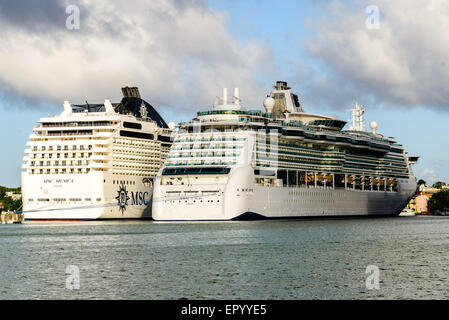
{"x":179,"y":53}
{"x":404,"y":62}
{"x":429,"y":176}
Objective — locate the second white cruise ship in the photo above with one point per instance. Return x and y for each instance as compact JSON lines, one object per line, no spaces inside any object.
{"x":95,"y":161}
{"x":230,"y":163}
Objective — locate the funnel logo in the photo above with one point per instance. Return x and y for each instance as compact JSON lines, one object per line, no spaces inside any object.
{"x":122,"y":198}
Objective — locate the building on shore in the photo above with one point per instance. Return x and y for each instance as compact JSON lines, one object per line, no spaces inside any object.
{"x":418,"y":204}
{"x":10,"y":199}
{"x":14,"y":196}
{"x":11,"y":217}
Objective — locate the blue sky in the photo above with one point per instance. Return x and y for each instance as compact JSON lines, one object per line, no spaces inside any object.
{"x":292,"y":43}
{"x":286,"y":25}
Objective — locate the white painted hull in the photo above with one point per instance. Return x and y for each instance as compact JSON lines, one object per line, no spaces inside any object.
{"x":270,"y":202}
{"x":94,"y":193}
{"x":259,"y":202}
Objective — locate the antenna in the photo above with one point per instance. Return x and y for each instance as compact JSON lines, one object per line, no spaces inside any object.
{"x":143,"y":111}
{"x":357,"y":118}
{"x":88,"y":106}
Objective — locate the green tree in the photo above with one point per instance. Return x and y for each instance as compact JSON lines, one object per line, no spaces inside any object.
{"x":11,"y":205}
{"x":8,"y":203}
{"x":2,"y":192}
{"x":438,"y":184}
{"x":438,"y":201}
{"x":421,"y":181}
{"x":14,"y":190}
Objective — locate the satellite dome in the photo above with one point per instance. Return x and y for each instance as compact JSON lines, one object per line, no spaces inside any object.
{"x":268,"y":103}
{"x":373,"y":125}
{"x":171,"y":125}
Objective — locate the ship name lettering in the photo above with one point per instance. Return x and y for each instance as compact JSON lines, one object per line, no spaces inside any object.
{"x":64,"y":181}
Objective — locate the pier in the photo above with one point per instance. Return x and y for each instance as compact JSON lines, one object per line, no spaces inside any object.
{"x":11,"y":217}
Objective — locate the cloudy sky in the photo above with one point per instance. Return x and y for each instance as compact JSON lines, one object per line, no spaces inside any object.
{"x":180,"y":53}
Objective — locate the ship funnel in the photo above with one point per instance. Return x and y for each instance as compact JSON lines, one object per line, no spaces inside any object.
{"x":236,"y":96}
{"x":222,"y":103}
{"x":130,"y":92}
{"x":225,"y":96}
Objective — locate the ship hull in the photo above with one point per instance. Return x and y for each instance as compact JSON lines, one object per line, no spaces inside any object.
{"x":282,"y":203}
{"x":238,"y":199}
{"x":85,"y":197}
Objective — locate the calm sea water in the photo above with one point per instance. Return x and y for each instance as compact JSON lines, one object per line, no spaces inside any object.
{"x":303,"y":259}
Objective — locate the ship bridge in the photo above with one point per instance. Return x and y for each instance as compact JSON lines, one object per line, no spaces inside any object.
{"x":284,"y":105}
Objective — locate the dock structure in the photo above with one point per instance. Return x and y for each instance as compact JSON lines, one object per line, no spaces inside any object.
{"x":11,"y":217}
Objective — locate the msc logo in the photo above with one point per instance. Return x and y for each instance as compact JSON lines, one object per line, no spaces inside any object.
{"x":122,"y":198}
{"x":137,"y":198}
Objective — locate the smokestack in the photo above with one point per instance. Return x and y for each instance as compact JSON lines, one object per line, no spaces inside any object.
{"x":225,"y":96}
{"x":236,"y":96}
{"x":130,"y":92}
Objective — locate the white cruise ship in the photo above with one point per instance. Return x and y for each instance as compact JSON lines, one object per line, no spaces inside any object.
{"x":234,"y":164}
{"x":95,"y":161}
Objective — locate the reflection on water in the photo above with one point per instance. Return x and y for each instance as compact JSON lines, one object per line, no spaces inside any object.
{"x":302,"y":259}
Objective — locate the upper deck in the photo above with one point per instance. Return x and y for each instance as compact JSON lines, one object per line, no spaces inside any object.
{"x":127,"y":138}
{"x":328,"y":131}
{"x":230,"y":135}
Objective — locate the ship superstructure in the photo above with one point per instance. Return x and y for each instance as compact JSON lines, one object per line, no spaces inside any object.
{"x":232,"y":163}
{"x":95,"y":161}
